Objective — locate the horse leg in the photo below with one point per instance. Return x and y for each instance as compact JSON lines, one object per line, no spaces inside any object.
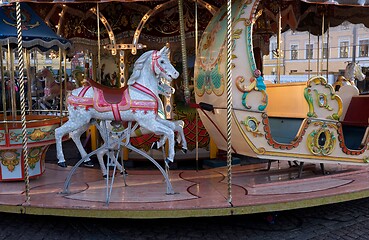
{"x":76,"y":137}
{"x":75,"y":122}
{"x":180,"y":134}
{"x":176,"y":126}
{"x":100,"y":157}
{"x":160,"y":129}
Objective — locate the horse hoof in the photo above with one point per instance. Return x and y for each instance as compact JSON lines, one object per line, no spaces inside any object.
{"x":62,"y":164}
{"x":88,"y":163}
{"x":124,"y":172}
{"x":168,"y":163}
{"x":154,"y":145}
{"x":105,"y":176}
{"x":184,"y":150}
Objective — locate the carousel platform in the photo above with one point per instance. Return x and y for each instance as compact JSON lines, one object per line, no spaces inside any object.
{"x":198,"y":193}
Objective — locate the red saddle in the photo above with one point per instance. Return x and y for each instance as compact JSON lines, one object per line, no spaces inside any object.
{"x":111,"y":95}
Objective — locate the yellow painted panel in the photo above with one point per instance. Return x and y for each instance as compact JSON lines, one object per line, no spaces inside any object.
{"x":287,"y":100}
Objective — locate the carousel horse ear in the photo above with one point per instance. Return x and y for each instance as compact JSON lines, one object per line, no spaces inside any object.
{"x":164,"y":50}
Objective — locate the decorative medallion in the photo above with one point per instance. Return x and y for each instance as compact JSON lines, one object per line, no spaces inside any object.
{"x":9,"y":158}
{"x":39,"y":134}
{"x":321,"y":141}
{"x":252,"y":125}
{"x":34,"y":156}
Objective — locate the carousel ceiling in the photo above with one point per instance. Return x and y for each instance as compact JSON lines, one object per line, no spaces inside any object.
{"x":74,"y":19}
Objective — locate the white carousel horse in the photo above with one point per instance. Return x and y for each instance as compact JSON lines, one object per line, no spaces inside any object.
{"x":114,"y":128}
{"x":353,"y":72}
{"x":139,"y":103}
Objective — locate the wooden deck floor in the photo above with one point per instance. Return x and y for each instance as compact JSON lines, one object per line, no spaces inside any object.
{"x":198,"y":193}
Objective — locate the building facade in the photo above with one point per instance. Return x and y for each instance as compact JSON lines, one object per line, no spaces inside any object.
{"x":304,"y":54}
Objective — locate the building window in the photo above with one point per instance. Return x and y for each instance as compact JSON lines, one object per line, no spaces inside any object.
{"x":344,"y":49}
{"x":309,"y":51}
{"x":325,"y":50}
{"x":294,"y":52}
{"x":363,"y":48}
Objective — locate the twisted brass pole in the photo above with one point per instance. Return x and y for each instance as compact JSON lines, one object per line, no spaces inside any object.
{"x":184,"y":53}
{"x":22,"y":99}
{"x":229,"y":99}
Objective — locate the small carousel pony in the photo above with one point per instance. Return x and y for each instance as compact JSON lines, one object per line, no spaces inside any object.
{"x":138,"y":102}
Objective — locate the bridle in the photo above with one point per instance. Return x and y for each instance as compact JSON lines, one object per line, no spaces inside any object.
{"x":155,"y":63}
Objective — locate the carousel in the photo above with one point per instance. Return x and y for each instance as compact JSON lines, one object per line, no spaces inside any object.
{"x":124,"y":82}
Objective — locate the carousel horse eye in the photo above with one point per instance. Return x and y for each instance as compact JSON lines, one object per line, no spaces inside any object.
{"x":162,"y":62}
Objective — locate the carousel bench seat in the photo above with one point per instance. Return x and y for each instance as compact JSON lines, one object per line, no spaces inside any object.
{"x":355,"y":124}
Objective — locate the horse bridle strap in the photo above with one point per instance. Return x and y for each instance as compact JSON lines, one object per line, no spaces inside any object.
{"x":155,"y":63}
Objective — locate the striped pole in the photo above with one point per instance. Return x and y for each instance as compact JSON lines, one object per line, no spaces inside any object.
{"x":22,"y":99}
{"x":229,"y":99}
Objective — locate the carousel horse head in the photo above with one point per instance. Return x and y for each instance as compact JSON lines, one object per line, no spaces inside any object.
{"x":160,"y":66}
{"x":165,"y":89}
{"x":353,"y":72}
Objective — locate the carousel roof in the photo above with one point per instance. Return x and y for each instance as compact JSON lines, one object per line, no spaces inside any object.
{"x":35,"y":33}
{"x":78,"y":23}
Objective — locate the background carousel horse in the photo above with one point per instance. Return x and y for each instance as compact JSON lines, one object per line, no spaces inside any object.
{"x":115,"y":128}
{"x":52,"y":87}
{"x":352,"y":72}
{"x":139,"y":103}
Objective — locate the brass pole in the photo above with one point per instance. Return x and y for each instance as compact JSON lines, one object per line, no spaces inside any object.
{"x":23,"y":103}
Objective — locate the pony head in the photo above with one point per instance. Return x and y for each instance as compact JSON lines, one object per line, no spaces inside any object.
{"x":165,"y":88}
{"x":353,"y":71}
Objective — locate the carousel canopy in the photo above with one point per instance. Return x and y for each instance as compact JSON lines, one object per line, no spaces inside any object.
{"x":77,"y":23}
{"x":35,"y":33}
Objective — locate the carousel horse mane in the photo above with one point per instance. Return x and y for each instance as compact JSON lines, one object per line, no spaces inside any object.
{"x":137,"y":67}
